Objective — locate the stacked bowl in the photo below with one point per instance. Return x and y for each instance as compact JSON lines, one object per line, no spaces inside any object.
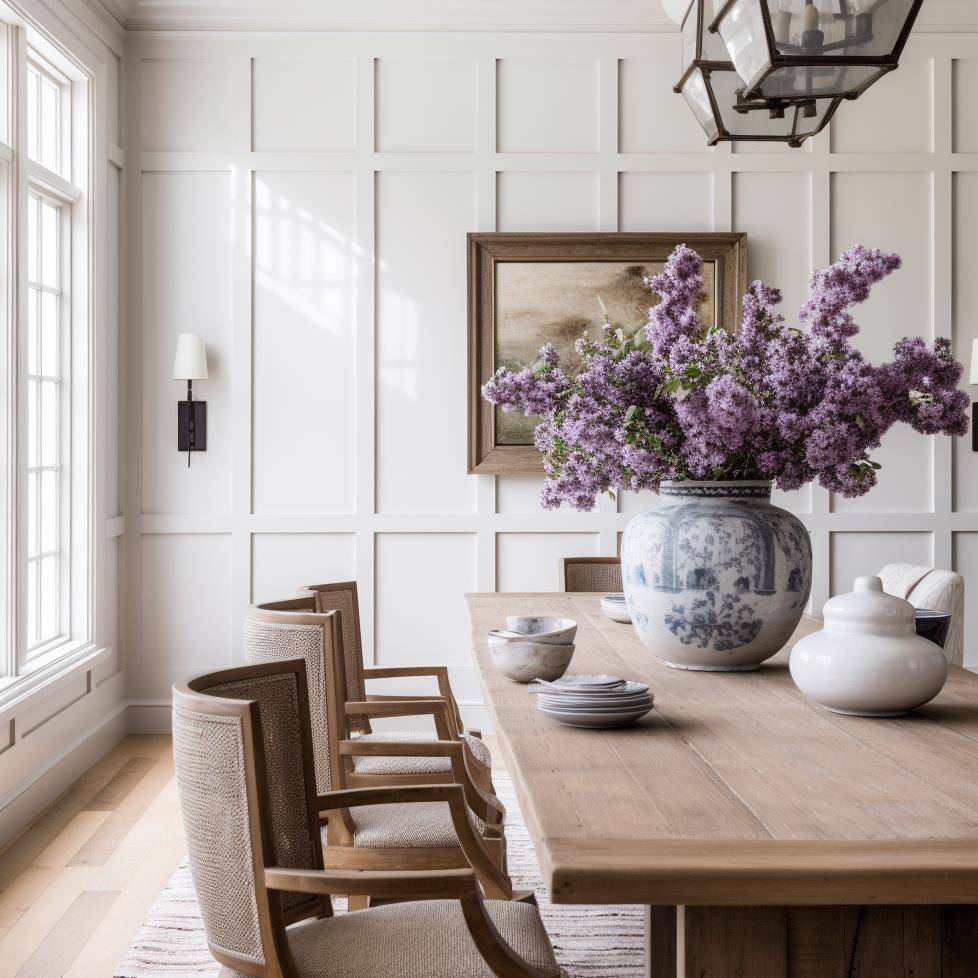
{"x":594,"y":701}
{"x":533,"y":647}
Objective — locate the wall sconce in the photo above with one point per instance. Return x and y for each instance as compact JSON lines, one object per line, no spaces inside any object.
{"x":973,"y":380}
{"x":190,"y":364}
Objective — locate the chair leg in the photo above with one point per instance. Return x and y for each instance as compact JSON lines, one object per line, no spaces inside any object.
{"x":357,"y":903}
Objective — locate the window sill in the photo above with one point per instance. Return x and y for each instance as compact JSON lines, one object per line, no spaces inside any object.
{"x":49,"y":673}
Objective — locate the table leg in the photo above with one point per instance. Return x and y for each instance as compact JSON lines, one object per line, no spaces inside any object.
{"x":812,"y":942}
{"x":660,"y":942}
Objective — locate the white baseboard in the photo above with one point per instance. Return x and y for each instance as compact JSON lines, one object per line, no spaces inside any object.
{"x":29,"y":798}
{"x":149,"y":716}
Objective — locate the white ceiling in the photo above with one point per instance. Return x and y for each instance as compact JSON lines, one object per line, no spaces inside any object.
{"x":441,"y":15}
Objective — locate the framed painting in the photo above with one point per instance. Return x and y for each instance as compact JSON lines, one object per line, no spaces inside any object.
{"x":528,"y":289}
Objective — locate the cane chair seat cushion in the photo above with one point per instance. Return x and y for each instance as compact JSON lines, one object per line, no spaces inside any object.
{"x":387,"y":766}
{"x":425,"y":825}
{"x":423,"y":939}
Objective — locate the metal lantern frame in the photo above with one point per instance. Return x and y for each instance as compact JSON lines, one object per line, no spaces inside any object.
{"x":799,"y":108}
{"x":779,"y":60}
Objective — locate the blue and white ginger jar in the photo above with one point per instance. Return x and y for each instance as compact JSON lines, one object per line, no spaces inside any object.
{"x":715,"y":577}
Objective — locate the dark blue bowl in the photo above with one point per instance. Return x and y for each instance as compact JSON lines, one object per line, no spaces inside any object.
{"x":933,"y":625}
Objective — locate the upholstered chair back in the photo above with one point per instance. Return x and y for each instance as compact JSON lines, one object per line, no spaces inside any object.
{"x":342,"y":597}
{"x":591,"y":574}
{"x":241,"y":764}
{"x":939,"y":590}
{"x":283,"y":630}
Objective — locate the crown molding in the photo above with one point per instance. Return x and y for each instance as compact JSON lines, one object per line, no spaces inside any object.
{"x":116,"y":13}
{"x":400,"y":15}
{"x":551,"y":16}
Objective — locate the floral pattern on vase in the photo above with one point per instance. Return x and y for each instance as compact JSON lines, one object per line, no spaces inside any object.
{"x":715,"y":577}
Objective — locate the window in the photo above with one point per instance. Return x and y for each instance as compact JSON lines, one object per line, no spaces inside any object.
{"x":47,"y":600}
{"x":46,"y":489}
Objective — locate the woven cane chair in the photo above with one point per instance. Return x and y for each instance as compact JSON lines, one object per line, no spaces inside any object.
{"x":245,"y":775}
{"x":393,"y":770}
{"x":415,"y":837}
{"x":939,"y":590}
{"x":591,"y":574}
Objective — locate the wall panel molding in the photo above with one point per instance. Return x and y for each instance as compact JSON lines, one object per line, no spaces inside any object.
{"x":419,"y":533}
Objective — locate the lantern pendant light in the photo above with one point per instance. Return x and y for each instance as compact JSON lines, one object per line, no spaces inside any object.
{"x":791,"y":49}
{"x":715,"y":93}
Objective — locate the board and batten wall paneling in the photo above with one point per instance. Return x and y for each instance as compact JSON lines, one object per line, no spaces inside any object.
{"x":303,"y":202}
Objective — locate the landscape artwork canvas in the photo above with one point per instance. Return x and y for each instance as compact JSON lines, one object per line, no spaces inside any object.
{"x":557,"y":302}
{"x":527,"y":289}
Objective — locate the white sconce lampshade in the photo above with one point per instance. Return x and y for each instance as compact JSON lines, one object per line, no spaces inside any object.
{"x":973,"y":376}
{"x":190,"y":361}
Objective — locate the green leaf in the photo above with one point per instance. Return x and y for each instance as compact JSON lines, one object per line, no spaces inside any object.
{"x":604,"y":309}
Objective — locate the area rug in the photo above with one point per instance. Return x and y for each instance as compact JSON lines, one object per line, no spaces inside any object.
{"x":590,"y":942}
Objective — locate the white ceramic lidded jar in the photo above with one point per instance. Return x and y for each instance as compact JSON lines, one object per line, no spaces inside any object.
{"x":868,"y":659}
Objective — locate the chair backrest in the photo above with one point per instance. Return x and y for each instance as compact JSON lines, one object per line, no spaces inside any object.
{"x":929,"y":587}
{"x":243,"y":768}
{"x":591,"y":574}
{"x":283,"y":630}
{"x":342,"y":597}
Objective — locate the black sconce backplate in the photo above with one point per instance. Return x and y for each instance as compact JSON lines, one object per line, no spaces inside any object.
{"x":192,"y":438}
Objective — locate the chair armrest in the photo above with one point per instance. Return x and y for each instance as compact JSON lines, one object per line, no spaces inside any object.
{"x":395,"y":707}
{"x":488,"y":809}
{"x":408,"y":794}
{"x":438,"y":709}
{"x":438,"y":672}
{"x":428,"y":884}
{"x":403,"y":672}
{"x":401,"y":748}
{"x":495,"y":882}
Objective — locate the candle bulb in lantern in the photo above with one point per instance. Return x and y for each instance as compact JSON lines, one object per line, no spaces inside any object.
{"x":812,"y":37}
{"x":781,"y":22}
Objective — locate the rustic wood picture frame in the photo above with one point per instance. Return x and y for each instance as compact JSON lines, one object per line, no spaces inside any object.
{"x":726,"y":250}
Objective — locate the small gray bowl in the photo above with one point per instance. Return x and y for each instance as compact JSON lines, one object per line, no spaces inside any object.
{"x":541,"y":628}
{"x":523,"y":662}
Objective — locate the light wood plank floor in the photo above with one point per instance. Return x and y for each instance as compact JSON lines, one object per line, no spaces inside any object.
{"x":78,"y":883}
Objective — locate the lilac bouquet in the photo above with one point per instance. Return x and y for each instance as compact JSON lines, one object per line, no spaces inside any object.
{"x":679,"y":401}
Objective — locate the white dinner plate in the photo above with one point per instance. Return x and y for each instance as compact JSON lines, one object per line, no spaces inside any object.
{"x":615,"y":610}
{"x":581,"y":681}
{"x":558,"y":689}
{"x":597,"y":720}
{"x":564,"y":704}
{"x":598,"y":707}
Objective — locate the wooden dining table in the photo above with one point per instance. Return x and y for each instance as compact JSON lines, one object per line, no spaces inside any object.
{"x":766,"y":836}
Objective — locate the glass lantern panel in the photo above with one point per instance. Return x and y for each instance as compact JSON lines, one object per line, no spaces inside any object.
{"x":742,"y":31}
{"x":824,"y":81}
{"x":847,"y":28}
{"x":759,"y":123}
{"x":698,"y":99}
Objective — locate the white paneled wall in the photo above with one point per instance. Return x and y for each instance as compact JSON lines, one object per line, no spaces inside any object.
{"x":303,"y":202}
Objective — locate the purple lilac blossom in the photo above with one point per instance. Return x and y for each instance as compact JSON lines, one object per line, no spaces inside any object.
{"x":678,"y":400}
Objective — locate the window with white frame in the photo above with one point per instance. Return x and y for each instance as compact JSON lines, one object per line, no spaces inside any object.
{"x":46,"y":583}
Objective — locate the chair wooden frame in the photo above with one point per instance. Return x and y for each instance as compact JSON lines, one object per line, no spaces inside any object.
{"x":320,"y":883}
{"x":566,"y":562}
{"x":488,"y":857}
{"x":480,"y":773}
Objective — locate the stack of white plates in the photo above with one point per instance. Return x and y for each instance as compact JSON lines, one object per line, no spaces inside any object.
{"x":613,"y":605}
{"x":593,"y":701}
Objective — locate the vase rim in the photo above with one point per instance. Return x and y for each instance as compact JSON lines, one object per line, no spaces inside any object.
{"x":717,"y":488}
{"x":716,"y":482}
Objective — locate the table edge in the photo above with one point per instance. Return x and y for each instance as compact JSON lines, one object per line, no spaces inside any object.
{"x":758,"y":872}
